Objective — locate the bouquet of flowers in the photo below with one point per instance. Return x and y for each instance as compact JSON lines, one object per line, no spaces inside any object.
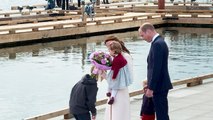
{"x":102,"y":62}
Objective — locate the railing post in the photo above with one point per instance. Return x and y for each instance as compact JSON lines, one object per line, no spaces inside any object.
{"x":194,"y":15}
{"x":6,"y":15}
{"x":98,"y":22}
{"x":197,"y":81}
{"x":67,"y":116}
{"x":12,"y":31}
{"x":175,"y":15}
{"x":149,"y":17}
{"x":38,"y":13}
{"x":135,"y":18}
{"x":163,"y":15}
{"x":118,"y":20}
{"x":35,"y":29}
{"x":133,"y":5}
{"x":58,"y":26}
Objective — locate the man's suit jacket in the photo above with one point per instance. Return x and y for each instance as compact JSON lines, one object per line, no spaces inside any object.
{"x":158,"y":75}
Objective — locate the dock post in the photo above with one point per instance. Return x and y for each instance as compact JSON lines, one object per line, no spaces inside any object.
{"x":67,"y":116}
{"x":12,"y":55}
{"x":161,"y":4}
{"x":197,"y":81}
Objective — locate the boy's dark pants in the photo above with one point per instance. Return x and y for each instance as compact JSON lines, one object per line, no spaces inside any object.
{"x":147,"y":109}
{"x":85,"y":116}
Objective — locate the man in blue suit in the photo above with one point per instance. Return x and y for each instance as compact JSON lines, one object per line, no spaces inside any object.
{"x":157,"y":70}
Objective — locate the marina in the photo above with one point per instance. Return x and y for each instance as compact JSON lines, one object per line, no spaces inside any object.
{"x":31,"y":71}
{"x":56,"y":24}
{"x":43,"y":53}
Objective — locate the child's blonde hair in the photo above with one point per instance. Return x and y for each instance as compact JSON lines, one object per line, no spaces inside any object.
{"x":116,"y":46}
{"x":95,"y":76}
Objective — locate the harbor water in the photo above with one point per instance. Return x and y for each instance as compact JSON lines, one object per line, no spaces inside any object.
{"x":37,"y":79}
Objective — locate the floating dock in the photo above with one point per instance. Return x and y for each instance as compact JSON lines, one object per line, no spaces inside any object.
{"x":49,"y":25}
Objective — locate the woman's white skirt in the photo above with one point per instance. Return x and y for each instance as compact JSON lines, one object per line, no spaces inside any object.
{"x":120,"y":109}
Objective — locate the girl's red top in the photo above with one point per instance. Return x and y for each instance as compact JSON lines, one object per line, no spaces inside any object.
{"x":118,"y":62}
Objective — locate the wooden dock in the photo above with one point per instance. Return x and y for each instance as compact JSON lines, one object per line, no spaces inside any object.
{"x":61,"y":45}
{"x":190,"y":82}
{"x":42,"y":25}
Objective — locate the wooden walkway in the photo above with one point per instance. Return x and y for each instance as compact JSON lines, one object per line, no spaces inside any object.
{"x":185,"y":103}
{"x":136,"y":103}
{"x":42,"y":25}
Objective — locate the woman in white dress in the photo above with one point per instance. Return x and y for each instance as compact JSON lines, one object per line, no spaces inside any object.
{"x":120,"y":109}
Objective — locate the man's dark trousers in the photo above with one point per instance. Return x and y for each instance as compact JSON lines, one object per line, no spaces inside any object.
{"x":161,"y":105}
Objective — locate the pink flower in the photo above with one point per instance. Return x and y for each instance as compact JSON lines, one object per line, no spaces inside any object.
{"x":106,"y":55}
{"x":96,"y":53}
{"x":103,"y":61}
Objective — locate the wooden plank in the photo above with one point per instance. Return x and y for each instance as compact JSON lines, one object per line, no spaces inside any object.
{"x":49,"y":115}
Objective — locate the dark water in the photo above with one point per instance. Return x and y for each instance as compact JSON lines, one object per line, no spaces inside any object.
{"x":37,"y":79}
